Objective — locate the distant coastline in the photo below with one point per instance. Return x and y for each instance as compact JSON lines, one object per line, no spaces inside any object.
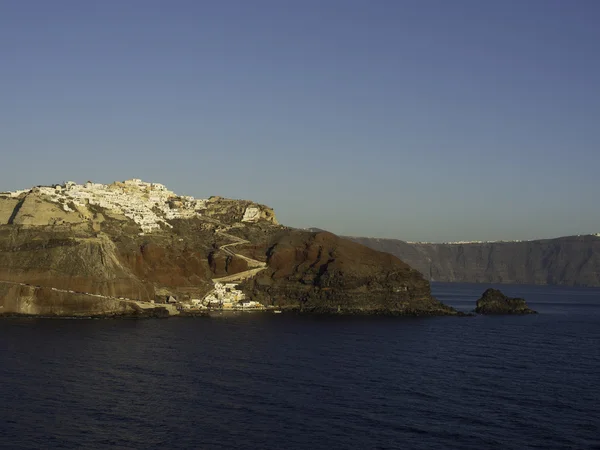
{"x":568,"y":260}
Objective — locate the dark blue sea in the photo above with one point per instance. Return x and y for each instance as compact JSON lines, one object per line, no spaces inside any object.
{"x":264,"y":381}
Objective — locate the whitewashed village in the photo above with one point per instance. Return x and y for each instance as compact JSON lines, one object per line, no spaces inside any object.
{"x":151,"y":206}
{"x":138,"y":200}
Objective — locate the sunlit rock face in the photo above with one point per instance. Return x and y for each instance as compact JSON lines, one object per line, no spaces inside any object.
{"x":149,"y":205}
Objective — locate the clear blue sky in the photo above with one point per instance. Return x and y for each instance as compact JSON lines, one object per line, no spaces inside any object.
{"x":417,"y":119}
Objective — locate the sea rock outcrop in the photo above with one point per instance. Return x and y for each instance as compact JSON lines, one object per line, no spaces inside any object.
{"x":495,"y":302}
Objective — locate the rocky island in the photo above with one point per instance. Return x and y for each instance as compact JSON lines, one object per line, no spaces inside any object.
{"x":137,"y":248}
{"x":495,"y":302}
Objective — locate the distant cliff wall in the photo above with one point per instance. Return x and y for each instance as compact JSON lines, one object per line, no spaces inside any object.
{"x":572,"y":260}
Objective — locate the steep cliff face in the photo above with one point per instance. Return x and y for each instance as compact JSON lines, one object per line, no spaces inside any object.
{"x":65,"y":259}
{"x":7,"y":208}
{"x":573,"y":260}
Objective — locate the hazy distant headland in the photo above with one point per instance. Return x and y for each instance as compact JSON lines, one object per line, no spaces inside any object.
{"x":569,"y":260}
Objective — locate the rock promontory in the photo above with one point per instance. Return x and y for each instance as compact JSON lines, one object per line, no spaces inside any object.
{"x":323,"y":273}
{"x":137,"y":248}
{"x":495,"y":302}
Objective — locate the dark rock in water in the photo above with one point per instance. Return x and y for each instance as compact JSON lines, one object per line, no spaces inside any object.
{"x":495,"y":302}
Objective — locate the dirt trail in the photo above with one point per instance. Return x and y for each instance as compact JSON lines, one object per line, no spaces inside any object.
{"x":256,"y":265}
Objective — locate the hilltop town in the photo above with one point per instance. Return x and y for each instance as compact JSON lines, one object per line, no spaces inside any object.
{"x":150,"y":205}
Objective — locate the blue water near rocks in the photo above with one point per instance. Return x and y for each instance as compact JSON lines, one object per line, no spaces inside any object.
{"x":284,"y":381}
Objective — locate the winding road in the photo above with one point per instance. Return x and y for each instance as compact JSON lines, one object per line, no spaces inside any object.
{"x":255,"y":265}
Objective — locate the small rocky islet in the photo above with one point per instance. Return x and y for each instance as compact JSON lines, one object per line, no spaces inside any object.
{"x":494,"y":302}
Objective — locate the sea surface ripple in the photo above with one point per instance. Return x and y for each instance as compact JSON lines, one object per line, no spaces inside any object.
{"x":287,"y":381}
